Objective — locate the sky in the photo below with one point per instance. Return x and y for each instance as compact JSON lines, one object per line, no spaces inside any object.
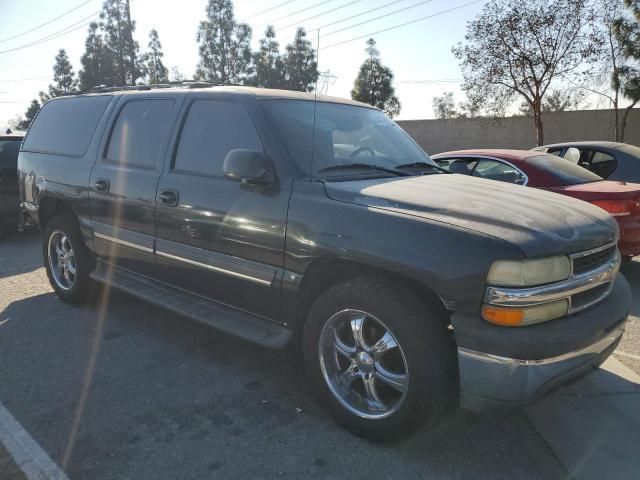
{"x":419,"y":54}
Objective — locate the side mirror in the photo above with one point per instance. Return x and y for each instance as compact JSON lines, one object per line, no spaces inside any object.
{"x":249,"y":167}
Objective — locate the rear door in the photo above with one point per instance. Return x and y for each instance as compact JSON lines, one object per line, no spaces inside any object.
{"x":124,"y":180}
{"x":217,"y":237}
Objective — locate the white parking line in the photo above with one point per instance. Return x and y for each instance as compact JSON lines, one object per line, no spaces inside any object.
{"x":628,"y":355}
{"x":28,"y":455}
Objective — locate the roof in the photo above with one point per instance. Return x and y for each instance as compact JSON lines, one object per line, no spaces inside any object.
{"x":239,"y":89}
{"x":595,"y":143}
{"x":496,"y":152}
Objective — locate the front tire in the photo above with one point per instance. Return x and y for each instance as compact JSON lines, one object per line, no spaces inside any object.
{"x":380,"y":358}
{"x":66,"y":259}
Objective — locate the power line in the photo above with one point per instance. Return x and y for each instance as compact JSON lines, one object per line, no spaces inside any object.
{"x":319,"y":15}
{"x":268,"y":10}
{"x":47,"y":23}
{"x":378,"y":18}
{"x":431,"y":82}
{"x":315,"y":5}
{"x":442,"y":12}
{"x":16,"y":80}
{"x":359,"y":14}
{"x":57,"y":34}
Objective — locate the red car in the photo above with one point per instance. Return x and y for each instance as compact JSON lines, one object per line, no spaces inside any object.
{"x":548,"y":172}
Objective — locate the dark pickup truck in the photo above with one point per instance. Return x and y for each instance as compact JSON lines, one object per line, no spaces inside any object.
{"x":279,"y":217}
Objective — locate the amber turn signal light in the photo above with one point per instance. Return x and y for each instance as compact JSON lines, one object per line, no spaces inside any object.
{"x":507,"y":317}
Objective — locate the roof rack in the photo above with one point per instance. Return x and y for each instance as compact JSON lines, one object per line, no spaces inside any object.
{"x":152,"y":86}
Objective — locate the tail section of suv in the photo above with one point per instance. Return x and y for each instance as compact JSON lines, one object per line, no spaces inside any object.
{"x":279,"y":217}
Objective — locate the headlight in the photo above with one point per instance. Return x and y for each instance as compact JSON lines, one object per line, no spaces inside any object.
{"x":523,"y":316}
{"x":529,"y":273}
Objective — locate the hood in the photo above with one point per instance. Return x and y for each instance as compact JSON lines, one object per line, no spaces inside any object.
{"x":540,"y":223}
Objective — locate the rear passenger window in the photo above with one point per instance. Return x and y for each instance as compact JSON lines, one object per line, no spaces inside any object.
{"x":137,"y":137}
{"x":66,"y":126}
{"x":602,"y":164}
{"x":212,"y":129}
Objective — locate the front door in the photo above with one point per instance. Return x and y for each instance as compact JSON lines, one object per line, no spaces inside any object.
{"x":124,"y":180}
{"x":216,"y":237}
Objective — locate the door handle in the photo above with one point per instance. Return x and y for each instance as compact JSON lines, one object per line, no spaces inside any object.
{"x":102,"y":185}
{"x":168,"y":198}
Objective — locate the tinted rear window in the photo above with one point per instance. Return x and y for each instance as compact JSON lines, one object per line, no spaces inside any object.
{"x":566,"y":172}
{"x":65,"y":126}
{"x":137,"y":136}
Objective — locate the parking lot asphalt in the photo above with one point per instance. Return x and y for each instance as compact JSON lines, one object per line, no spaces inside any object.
{"x":119,"y":389}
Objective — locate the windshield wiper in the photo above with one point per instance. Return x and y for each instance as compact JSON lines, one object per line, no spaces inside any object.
{"x":365,"y":165}
{"x":423,"y":165}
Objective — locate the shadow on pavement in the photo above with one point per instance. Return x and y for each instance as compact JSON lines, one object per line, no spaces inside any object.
{"x":15,"y":259}
{"x":593,"y":426}
{"x":170,"y":398}
{"x":631,"y":271}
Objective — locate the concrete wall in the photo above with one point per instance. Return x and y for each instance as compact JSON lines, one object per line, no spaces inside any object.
{"x":437,"y":136}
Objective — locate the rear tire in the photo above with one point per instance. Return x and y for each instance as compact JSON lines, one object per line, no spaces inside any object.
{"x":66,"y":258}
{"x":380,"y":396}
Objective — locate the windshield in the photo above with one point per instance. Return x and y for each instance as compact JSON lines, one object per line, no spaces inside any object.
{"x":344,"y":135}
{"x":566,"y":172}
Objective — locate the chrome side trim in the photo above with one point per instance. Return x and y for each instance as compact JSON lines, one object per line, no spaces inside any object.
{"x":596,"y":348}
{"x":124,"y":243}
{"x":524,"y":297}
{"x":215,"y":269}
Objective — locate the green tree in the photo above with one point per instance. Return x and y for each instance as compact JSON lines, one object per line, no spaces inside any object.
{"x":65,"y":81}
{"x":225,"y":50}
{"x":97,"y":63}
{"x":30,"y":114}
{"x":444,"y":106}
{"x":374,"y":83}
{"x":627,"y":31}
{"x":268,"y":63}
{"x":152,"y":66}
{"x":557,"y":100}
{"x":300,"y":64}
{"x":520,"y":49}
{"x":118,"y":28}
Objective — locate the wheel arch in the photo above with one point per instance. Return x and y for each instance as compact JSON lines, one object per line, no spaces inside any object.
{"x":322,"y":274}
{"x":49,"y":207}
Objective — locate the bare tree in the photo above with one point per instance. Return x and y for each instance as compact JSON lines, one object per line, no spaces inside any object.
{"x":444,"y":106}
{"x":520,"y":49}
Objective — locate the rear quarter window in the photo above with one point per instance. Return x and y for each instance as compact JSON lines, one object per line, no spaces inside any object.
{"x":66,"y":126}
{"x":566,"y":172}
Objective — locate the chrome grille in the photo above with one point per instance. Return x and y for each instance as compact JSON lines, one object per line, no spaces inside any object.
{"x":592,"y":261}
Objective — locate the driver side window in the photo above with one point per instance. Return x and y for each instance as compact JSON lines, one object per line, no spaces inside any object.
{"x":495,"y":170}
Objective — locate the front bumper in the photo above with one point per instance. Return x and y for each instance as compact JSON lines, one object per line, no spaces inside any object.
{"x":490,"y":379}
{"x":501,"y":365}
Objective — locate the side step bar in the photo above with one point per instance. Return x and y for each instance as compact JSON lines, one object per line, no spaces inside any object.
{"x":221,"y":317}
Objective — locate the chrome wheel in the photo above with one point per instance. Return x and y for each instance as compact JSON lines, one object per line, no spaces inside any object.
{"x":62,"y":260}
{"x":363,"y":364}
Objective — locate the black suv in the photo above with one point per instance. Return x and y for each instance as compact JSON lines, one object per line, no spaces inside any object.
{"x":279,"y":217}
{"x":9,"y":194}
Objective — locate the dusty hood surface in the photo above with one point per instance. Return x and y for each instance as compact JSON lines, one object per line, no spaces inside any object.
{"x":540,"y":223}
